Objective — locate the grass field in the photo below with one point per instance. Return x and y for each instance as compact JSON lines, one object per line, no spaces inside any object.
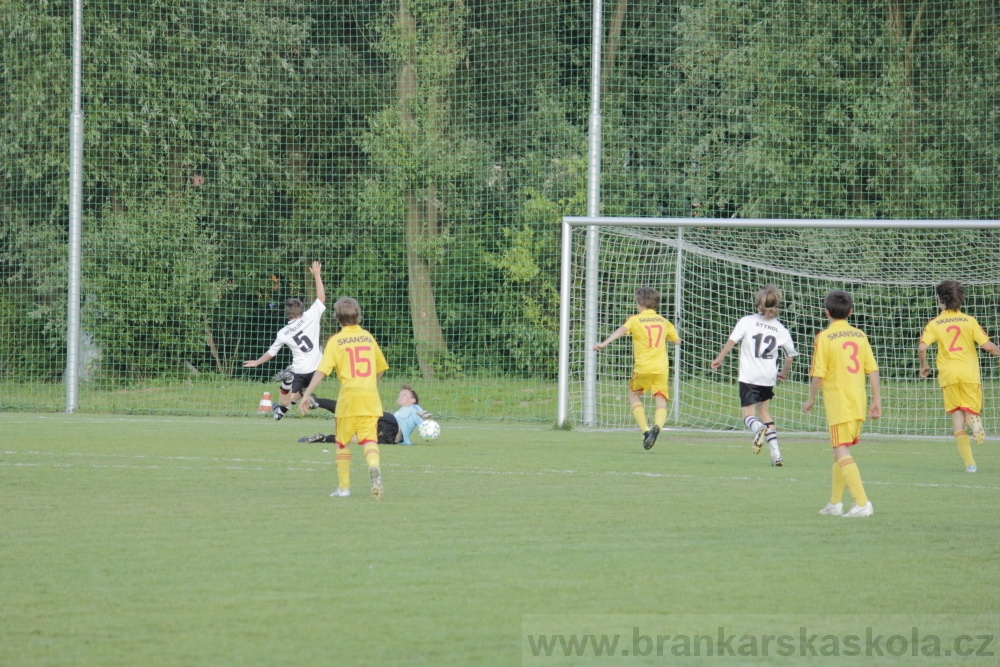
{"x":212,"y":541}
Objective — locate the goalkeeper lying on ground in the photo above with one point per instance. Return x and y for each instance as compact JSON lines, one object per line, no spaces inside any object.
{"x":392,"y":428}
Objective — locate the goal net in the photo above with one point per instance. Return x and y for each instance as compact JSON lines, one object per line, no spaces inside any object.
{"x":709,"y":276}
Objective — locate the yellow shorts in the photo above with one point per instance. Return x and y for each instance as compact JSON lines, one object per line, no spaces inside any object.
{"x":366,"y":428}
{"x":962,"y":396}
{"x":656,"y":383}
{"x":845,"y":434}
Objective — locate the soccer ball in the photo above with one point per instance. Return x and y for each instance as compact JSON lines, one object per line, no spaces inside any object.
{"x":429,"y":430}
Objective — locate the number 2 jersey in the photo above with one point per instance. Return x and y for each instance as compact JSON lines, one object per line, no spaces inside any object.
{"x":650,"y":333}
{"x":358,"y":360}
{"x":843,"y":357}
{"x":956,"y":335}
{"x":302,"y":337}
{"x":759,"y":341}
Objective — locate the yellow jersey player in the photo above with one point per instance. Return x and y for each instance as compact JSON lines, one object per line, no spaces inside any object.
{"x":956,"y":336}
{"x":650,"y":334}
{"x":842,"y":358}
{"x":359,"y":363}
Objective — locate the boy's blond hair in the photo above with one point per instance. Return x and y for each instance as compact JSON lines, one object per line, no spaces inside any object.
{"x":647,"y":297}
{"x":347,"y":311}
{"x":767,"y":300}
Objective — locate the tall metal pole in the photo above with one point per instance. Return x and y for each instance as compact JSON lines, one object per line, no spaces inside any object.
{"x":564,"y":314}
{"x":72,"y":376}
{"x":678,"y":301}
{"x":593,"y":231}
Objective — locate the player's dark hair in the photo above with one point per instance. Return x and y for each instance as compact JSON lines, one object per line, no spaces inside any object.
{"x":410,"y":389}
{"x":767,"y":300}
{"x":839,"y":304}
{"x":951,"y":294}
{"x":348,"y":311}
{"x":647,"y":297}
{"x":293,"y":308}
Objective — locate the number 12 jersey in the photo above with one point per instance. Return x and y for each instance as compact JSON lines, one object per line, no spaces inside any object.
{"x":759,"y":341}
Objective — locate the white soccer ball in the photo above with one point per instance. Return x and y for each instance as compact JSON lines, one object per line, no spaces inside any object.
{"x":429,"y":430}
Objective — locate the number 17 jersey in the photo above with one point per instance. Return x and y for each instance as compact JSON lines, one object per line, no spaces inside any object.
{"x":759,"y":341}
{"x":650,"y":333}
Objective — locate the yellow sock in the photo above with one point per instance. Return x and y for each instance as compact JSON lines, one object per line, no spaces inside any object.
{"x":639,"y":412}
{"x":852,"y":478}
{"x":838,"y":484}
{"x":964,"y":448}
{"x":344,"y":467}
{"x":661,"y":417}
{"x":371,"y":454}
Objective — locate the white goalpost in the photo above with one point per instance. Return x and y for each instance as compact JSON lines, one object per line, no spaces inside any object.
{"x":708,"y":270}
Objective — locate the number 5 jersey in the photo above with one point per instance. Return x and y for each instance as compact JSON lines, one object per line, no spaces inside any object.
{"x":301,"y":335}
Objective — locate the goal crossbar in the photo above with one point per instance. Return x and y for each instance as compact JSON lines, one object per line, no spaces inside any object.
{"x":570,"y":222}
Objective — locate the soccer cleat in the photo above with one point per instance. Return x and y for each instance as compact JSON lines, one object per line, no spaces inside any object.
{"x":833,"y":509}
{"x":971,"y":469}
{"x":317,"y":437}
{"x":978,"y":432}
{"x":341,"y":493}
{"x":377,"y":489}
{"x":758,"y":440}
{"x":776,"y":461}
{"x":312,"y":403}
{"x":860,"y":511}
{"x":279,"y":412}
{"x":285,"y":375}
{"x":649,"y":437}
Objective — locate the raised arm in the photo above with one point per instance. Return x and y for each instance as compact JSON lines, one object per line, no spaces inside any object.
{"x":619,"y":332}
{"x":316,"y":269}
{"x":726,"y":349}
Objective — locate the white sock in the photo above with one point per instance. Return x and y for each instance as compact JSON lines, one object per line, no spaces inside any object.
{"x":753,"y":423}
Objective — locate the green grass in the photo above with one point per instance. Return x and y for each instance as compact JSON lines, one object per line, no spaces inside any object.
{"x":181,"y":541}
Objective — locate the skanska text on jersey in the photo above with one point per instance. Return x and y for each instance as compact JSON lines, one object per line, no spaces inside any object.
{"x":355,"y":339}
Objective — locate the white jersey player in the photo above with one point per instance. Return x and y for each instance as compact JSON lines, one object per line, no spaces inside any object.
{"x":301,"y":335}
{"x":760,"y":337}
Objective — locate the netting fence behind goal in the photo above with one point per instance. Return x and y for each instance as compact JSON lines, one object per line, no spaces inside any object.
{"x":426,"y":152}
{"x":890,"y":273}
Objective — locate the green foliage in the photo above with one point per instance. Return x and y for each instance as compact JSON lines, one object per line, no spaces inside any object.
{"x":275,"y":133}
{"x":148,"y":312}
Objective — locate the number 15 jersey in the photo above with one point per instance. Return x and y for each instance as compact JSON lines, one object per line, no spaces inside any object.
{"x":650,"y":333}
{"x":302,"y":338}
{"x":759,"y":341}
{"x":358,"y":359}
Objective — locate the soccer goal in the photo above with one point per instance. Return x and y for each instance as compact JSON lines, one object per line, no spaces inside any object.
{"x":709,"y":269}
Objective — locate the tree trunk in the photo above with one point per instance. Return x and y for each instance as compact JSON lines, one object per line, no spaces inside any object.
{"x":421,"y":222}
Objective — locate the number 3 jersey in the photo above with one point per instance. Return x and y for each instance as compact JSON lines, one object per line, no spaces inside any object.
{"x":759,"y":341}
{"x":843,"y":357}
{"x":956,"y":335}
{"x":302,"y":337}
{"x":650,"y":333}
{"x":358,"y":360}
